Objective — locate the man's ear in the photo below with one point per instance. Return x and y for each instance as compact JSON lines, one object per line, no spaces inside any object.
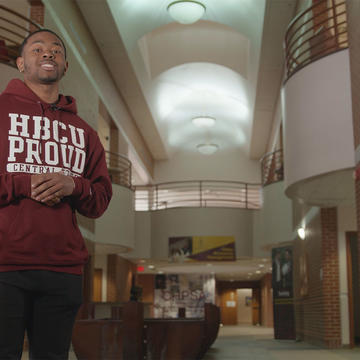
{"x":65,"y":68}
{"x":20,"y":63}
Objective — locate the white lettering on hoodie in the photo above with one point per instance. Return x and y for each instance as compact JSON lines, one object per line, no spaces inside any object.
{"x":43,"y":144}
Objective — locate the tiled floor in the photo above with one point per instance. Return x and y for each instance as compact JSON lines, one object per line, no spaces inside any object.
{"x":257,"y":343}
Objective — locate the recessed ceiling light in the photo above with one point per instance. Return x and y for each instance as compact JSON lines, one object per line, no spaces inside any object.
{"x":258,"y":271}
{"x":261,"y":265}
{"x":151,"y":267}
{"x":203,"y":121}
{"x":186,"y":11}
{"x":207,"y":149}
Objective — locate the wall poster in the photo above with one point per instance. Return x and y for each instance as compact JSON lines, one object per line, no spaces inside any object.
{"x":282,"y":272}
{"x":282,"y":283}
{"x":202,"y":248}
{"x":174,"y":291}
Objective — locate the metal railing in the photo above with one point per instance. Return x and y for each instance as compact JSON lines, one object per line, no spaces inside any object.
{"x":316,"y":32}
{"x":119,"y":168}
{"x":272,"y":167}
{"x":203,"y":193}
{"x":14,"y":27}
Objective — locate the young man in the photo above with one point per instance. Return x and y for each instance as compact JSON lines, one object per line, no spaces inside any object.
{"x":51,"y":165}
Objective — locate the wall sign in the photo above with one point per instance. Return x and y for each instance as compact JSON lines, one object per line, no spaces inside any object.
{"x":174,"y":291}
{"x":202,"y":248}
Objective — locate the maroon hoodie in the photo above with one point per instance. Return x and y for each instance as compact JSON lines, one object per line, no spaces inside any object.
{"x":37,"y":138}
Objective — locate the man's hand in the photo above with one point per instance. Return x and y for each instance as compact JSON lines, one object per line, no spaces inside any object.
{"x":51,"y":188}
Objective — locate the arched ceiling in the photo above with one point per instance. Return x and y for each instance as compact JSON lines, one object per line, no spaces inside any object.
{"x":212,"y":67}
{"x":205,"y":41}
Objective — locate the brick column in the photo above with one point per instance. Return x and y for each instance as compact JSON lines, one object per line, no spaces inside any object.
{"x":353,"y":13}
{"x":330,"y":278}
{"x":37,"y":12}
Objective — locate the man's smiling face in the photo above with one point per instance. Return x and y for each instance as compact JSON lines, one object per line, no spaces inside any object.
{"x":43,"y":59}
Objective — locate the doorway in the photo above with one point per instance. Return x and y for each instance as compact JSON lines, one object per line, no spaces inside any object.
{"x":240,"y":306}
{"x":352,"y":253}
{"x":97,"y":285}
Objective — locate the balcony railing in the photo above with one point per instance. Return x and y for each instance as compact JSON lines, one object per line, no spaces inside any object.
{"x":14,"y":27}
{"x":198,"y":194}
{"x":316,"y":32}
{"x":272,"y":167}
{"x":119,"y":169}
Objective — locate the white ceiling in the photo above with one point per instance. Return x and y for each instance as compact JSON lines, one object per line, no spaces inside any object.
{"x":227,"y":65}
{"x":244,"y":269}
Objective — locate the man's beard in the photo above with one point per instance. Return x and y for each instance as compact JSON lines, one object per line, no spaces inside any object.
{"x":50,"y":78}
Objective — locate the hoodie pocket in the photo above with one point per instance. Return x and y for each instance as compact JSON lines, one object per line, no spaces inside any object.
{"x":39,"y":234}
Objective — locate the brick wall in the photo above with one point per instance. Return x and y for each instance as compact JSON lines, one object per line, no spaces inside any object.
{"x":330,"y":281}
{"x":37,"y":12}
{"x":316,"y":282}
{"x":307,"y":283}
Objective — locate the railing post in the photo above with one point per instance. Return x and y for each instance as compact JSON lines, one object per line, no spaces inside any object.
{"x":130,"y":176}
{"x":333,"y":5}
{"x":200,"y":186}
{"x":156,"y":197}
{"x":246,"y":196}
{"x":262,"y":171}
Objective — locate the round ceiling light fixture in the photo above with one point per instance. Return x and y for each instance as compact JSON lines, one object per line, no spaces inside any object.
{"x":203,"y":121}
{"x":186,"y":11}
{"x":207,"y":149}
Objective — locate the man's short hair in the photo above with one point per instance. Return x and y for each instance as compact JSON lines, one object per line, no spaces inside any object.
{"x":21,"y":49}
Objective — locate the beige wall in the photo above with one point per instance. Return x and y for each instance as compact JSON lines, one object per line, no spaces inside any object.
{"x":117,"y":225}
{"x":272,"y":223}
{"x":201,"y":222}
{"x":6,"y":74}
{"x":244,"y":313}
{"x":230,"y":166}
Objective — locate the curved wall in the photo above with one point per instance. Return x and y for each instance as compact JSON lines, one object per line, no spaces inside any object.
{"x":117,"y":225}
{"x":201,"y":222}
{"x":273,"y":223}
{"x":318,"y":120}
{"x":7,"y":73}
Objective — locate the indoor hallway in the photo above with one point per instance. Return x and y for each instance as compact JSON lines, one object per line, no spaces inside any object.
{"x":257,"y":343}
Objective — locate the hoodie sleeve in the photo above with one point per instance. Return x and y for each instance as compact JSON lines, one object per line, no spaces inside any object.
{"x":14,"y":187}
{"x":92,"y":193}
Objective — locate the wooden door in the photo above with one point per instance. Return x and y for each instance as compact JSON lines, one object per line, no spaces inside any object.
{"x":229,"y":307}
{"x":97,"y":285}
{"x":353,"y":287}
{"x":256,"y":307}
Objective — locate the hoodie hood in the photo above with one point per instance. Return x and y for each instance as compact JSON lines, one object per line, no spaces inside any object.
{"x":18,"y":88}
